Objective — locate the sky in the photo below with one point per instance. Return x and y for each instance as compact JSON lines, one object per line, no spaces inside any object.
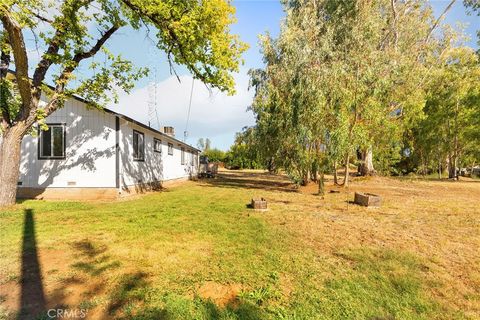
{"x":213,"y":114}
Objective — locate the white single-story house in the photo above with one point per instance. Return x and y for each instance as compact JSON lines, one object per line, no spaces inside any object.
{"x":89,"y":153}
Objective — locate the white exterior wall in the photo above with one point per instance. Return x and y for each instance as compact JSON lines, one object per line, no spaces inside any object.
{"x":156,"y":166}
{"x":89,"y":151}
{"x":90,"y":157}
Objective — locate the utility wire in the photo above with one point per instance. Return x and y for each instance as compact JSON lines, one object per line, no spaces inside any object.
{"x":185,"y":133}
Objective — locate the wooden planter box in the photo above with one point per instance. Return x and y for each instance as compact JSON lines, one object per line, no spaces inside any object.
{"x":259,"y":204}
{"x":367,"y":199}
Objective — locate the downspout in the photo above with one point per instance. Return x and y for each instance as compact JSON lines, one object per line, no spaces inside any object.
{"x":117,"y":154}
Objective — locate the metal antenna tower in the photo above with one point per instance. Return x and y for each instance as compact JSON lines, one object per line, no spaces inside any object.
{"x":152,"y":91}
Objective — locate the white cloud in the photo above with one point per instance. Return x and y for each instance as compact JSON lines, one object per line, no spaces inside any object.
{"x":213,"y":114}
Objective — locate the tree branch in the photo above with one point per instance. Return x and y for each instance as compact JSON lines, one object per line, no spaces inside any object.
{"x":15,"y":38}
{"x":40,"y":17}
{"x":440,"y":18}
{"x":162,"y":24}
{"x":55,"y":43}
{"x":394,"y":22}
{"x":100,"y":42}
{"x":46,"y":62}
{"x":67,"y":71}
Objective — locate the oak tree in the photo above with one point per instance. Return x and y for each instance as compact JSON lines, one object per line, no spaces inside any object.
{"x":192,"y":33}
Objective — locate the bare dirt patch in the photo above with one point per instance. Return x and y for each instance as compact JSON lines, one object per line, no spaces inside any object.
{"x":221,"y":294}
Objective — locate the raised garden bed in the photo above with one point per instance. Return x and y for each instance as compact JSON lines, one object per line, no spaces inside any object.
{"x":367,"y":199}
{"x":259,"y":204}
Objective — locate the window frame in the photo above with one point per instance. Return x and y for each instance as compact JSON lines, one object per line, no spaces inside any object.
{"x":182,"y":156}
{"x":40,"y":143}
{"x":143,"y":144}
{"x":170,"y":149}
{"x":155,"y":141}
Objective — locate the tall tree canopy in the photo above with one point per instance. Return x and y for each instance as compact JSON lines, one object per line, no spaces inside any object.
{"x":192,"y":33}
{"x":342,"y":77}
{"x":448,"y":134}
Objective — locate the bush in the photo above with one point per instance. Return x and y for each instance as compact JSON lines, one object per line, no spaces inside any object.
{"x":215,"y":155}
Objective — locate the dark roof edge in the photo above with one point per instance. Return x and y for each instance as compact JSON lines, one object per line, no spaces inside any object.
{"x":126,"y":118}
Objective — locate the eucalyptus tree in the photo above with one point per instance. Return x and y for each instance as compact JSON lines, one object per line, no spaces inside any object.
{"x":244,"y":153}
{"x":192,"y":33}
{"x":343,"y":76}
{"x":450,"y":131}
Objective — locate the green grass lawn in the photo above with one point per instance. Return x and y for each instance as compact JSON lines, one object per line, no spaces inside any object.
{"x":197,"y":252}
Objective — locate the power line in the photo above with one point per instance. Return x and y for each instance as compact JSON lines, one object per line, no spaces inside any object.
{"x":185,"y":133}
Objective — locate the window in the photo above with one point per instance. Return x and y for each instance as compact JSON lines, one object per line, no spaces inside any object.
{"x":183,"y":156}
{"x":51,"y":143}
{"x":157,"y":145}
{"x":170,"y":149}
{"x":138,"y":146}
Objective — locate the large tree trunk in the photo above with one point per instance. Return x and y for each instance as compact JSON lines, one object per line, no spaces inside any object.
{"x":314,"y":173}
{"x":321,"y":184}
{"x":366,"y":164}
{"x":271,"y":166}
{"x":335,"y":176}
{"x":440,"y":168}
{"x":10,"y":147}
{"x":452,"y":167}
{"x":305,"y":177}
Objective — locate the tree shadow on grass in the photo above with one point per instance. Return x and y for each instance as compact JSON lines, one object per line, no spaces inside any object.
{"x":32,"y":299}
{"x":93,"y":259}
{"x":88,"y":278}
{"x":251,"y":180}
{"x":133,"y":298}
{"x":200,"y":309}
{"x":130,"y":289}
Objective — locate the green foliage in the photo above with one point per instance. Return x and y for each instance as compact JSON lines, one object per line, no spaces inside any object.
{"x":192,"y":33}
{"x":214,"y":155}
{"x":197,"y":35}
{"x":8,"y":97}
{"x":341,"y":77}
{"x":450,"y":127}
{"x":473,"y":5}
{"x":244,"y":153}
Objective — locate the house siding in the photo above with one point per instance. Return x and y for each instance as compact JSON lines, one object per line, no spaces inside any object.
{"x":156,"y":167}
{"x":99,"y":154}
{"x":89,"y":151}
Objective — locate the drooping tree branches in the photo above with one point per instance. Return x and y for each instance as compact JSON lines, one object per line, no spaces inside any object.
{"x":344,"y":76}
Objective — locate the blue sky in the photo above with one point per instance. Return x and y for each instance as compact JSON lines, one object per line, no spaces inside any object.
{"x":213,"y":114}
